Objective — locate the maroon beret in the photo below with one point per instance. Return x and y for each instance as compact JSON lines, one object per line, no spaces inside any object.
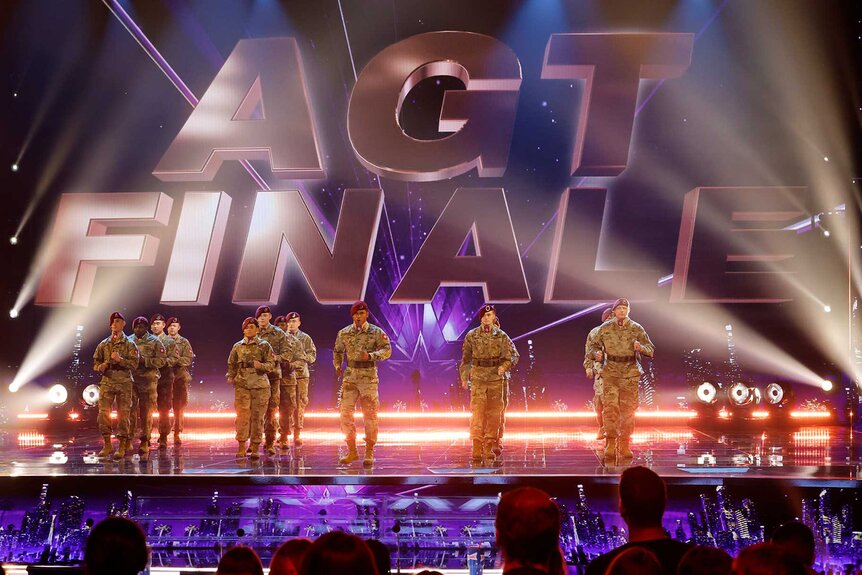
{"x":621,"y":301}
{"x":607,"y":314}
{"x":279,"y":319}
{"x":262,"y":309}
{"x":116,"y":315}
{"x":156,"y":317}
{"x":485,"y":309}
{"x":140,"y":319}
{"x":293,"y":315}
{"x":358,"y":306}
{"x":172,"y":319}
{"x":247,"y":321}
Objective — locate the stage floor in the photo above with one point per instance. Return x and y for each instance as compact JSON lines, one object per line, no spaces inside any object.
{"x":808,"y":455}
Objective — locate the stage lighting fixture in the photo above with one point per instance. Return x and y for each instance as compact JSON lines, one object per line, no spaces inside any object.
{"x":14,"y":167}
{"x":707,"y":392}
{"x":91,"y":395}
{"x":775,"y":393}
{"x":58,"y":394}
{"x":13,"y":240}
{"x":740,"y":394}
{"x":13,"y":313}
{"x":826,"y":385}
{"x":827,"y":308}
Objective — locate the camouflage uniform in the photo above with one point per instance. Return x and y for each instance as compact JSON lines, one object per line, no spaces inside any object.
{"x":164,"y":389}
{"x":282,"y":347}
{"x":507,"y":378}
{"x":304,"y":354}
{"x":590,"y":364}
{"x":116,"y":383}
{"x":251,"y":386}
{"x":182,"y":378}
{"x":152,"y":358}
{"x":485,"y":350}
{"x":360,"y":378}
{"x":621,"y":373}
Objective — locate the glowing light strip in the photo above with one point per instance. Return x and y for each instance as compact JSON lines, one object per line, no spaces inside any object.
{"x":810,"y":414}
{"x":32,"y":416}
{"x":678,"y":414}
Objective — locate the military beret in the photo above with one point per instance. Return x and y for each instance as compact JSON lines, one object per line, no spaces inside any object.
{"x":172,"y":319}
{"x":279,"y":319}
{"x":358,"y":306}
{"x":293,"y":315}
{"x":621,"y":301}
{"x":157,"y":317}
{"x":485,"y":309}
{"x":262,"y":309}
{"x":140,"y":319}
{"x":248,"y":321}
{"x":116,"y":315}
{"x":607,"y":314}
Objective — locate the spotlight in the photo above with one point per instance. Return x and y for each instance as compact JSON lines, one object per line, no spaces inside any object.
{"x":740,"y":394}
{"x":13,"y":240}
{"x":825,"y":158}
{"x":826,"y":233}
{"x":14,"y":167}
{"x":827,"y":308}
{"x":13,"y":313}
{"x":58,"y":394}
{"x":91,"y":395}
{"x":774,"y":393}
{"x":707,"y":393}
{"x":826,"y":385}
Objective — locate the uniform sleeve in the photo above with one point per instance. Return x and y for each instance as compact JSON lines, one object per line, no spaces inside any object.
{"x":338,"y":351}
{"x":173,"y":354}
{"x":588,"y":352}
{"x":232,"y":363}
{"x":310,"y":350}
{"x":598,"y":343}
{"x":186,"y":355}
{"x":384,"y":347}
{"x":268,"y":360}
{"x":515,"y":355}
{"x":130,"y":361}
{"x":508,"y":347}
{"x":647,"y":347}
{"x":466,"y":358}
{"x":290,"y":349}
{"x":160,"y":358}
{"x":98,"y":357}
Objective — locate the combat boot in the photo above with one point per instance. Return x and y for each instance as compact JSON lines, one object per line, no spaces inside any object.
{"x":297,"y":440}
{"x":144,"y":449}
{"x":610,"y":450}
{"x":240,"y":451}
{"x":352,"y":454}
{"x":476,"y":455}
{"x":120,"y":453}
{"x":163,"y":441}
{"x":177,"y":439}
{"x":369,"y":455}
{"x":624,"y":450}
{"x":270,"y":448}
{"x":497,"y":449}
{"x":284,"y":442}
{"x":488,"y":453}
{"x":108,"y":449}
{"x":254,"y":451}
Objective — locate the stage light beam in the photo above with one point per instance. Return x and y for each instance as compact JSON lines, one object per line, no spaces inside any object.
{"x":14,"y":167}
{"x":13,"y":240}
{"x":13,"y":313}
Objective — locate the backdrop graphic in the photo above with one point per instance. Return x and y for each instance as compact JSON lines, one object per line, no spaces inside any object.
{"x":201,"y":158}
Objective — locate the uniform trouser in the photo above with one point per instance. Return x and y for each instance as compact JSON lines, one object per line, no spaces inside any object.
{"x":597,"y":402}
{"x":486,"y":403}
{"x":369,"y":401}
{"x":619,"y":402}
{"x":173,"y":392}
{"x":121,"y":393}
{"x":301,"y":401}
{"x":503,"y":414}
{"x":287,"y":405}
{"x":251,"y":408}
{"x":271,"y":425}
{"x":144,"y":402}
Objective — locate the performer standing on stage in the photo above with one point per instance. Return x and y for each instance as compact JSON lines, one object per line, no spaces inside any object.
{"x":304,"y":355}
{"x":146,"y":380}
{"x":619,"y":344}
{"x":594,"y":371}
{"x":364,"y":344}
{"x":115,"y":358}
{"x":250,"y":360}
{"x":486,"y":357}
{"x":164,"y":389}
{"x":279,"y":381}
{"x":181,"y":377}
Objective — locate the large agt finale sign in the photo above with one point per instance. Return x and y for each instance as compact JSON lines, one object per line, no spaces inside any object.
{"x":258,"y":108}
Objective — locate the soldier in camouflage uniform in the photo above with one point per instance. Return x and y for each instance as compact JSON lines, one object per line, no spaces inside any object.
{"x":144,"y":400}
{"x":115,"y":358}
{"x":486,"y":357}
{"x":251,"y":358}
{"x":618,"y":345}
{"x":164,"y":389}
{"x":182,"y":377}
{"x":280,"y":382}
{"x":364,"y":344}
{"x":593,"y":370}
{"x":305,"y":355}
